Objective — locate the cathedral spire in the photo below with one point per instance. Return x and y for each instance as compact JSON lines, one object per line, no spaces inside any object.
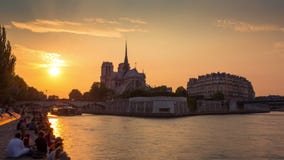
{"x":126,"y":64}
{"x":126,"y":57}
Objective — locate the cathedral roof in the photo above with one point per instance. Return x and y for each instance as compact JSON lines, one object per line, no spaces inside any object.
{"x":134,"y":73}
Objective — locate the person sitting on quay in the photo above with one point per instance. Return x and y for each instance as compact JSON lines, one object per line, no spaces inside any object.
{"x":16,"y":147}
{"x":49,"y":136}
{"x":26,"y":140}
{"x":54,"y":144}
{"x":32,"y":125}
{"x":9,"y":112}
{"x":22,"y":124}
{"x":41,"y":144}
{"x":1,"y":112}
{"x":58,"y":153}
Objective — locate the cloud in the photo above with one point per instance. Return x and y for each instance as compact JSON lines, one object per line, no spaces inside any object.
{"x":131,"y":30}
{"x":131,"y":20}
{"x":36,"y":59}
{"x":240,"y":26}
{"x":101,"y":20}
{"x":98,"y":27}
{"x":45,"y":26}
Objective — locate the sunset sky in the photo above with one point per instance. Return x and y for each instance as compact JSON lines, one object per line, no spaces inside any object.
{"x":61,"y":44}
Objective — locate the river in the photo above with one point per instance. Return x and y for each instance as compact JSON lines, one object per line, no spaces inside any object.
{"x":247,"y":136}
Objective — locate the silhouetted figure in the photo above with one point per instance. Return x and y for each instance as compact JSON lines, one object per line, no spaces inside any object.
{"x":32,"y":125}
{"x":41,"y":143}
{"x":58,"y":153}
{"x":16,"y":147}
{"x":8,"y":112}
{"x":49,"y":137}
{"x":22,"y":124}
{"x":26,"y":140}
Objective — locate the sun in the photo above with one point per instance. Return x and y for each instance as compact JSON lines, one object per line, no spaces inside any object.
{"x":53,"y":64}
{"x":54,"y":71}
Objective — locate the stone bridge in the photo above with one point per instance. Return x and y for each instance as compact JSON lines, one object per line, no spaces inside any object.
{"x":84,"y":105}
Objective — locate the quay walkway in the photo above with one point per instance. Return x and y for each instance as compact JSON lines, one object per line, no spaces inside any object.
{"x":8,"y":128}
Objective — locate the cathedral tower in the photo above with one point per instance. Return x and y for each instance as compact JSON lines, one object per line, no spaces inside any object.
{"x":106,"y":72}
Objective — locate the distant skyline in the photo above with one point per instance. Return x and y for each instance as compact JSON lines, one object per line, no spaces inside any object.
{"x":61,"y":44}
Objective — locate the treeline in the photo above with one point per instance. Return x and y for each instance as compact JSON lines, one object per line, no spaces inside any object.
{"x":13,"y":87}
{"x":155,"y":91}
{"x":97,"y":92}
{"x":100,"y":93}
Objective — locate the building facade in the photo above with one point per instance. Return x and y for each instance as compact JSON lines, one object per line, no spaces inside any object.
{"x":232,"y":86}
{"x":125,"y":79}
{"x":143,"y":106}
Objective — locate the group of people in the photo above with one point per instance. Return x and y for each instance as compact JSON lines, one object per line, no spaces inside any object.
{"x":46,"y":145}
{"x":6,"y":110}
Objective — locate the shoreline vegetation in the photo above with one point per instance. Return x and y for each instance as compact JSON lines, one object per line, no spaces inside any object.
{"x":13,"y":87}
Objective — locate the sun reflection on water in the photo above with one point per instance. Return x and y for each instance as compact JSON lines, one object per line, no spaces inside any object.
{"x":55,"y":125}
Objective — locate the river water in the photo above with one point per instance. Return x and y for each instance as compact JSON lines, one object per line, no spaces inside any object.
{"x":248,"y":136}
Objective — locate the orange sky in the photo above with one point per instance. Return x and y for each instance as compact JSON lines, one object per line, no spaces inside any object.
{"x":170,"y":41}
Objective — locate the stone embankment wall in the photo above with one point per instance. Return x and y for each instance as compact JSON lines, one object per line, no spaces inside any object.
{"x":142,"y":106}
{"x":159,"y":107}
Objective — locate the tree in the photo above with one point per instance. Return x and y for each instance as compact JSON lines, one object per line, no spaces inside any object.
{"x":13,"y":87}
{"x":75,"y":94}
{"x":192,"y":103}
{"x":34,"y":94}
{"x":7,"y":65}
{"x":86,"y":96}
{"x":181,"y":91}
{"x":19,"y":89}
{"x":149,"y":92}
{"x":95,"y":91}
{"x":100,"y":92}
{"x":52,"y":97}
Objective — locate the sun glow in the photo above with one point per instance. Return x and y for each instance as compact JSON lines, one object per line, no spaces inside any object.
{"x":53,"y":64}
{"x":54,"y":71}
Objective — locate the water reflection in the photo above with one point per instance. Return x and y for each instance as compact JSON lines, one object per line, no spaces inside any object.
{"x":255,"y":136}
{"x":55,"y":125}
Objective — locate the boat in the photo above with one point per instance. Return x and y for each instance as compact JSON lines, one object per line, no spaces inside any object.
{"x":65,"y":111}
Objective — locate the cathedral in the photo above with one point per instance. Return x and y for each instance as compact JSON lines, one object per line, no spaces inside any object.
{"x":125,"y":79}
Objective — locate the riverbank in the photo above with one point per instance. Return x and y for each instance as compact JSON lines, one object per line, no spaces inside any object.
{"x":10,"y":127}
{"x":160,"y":107}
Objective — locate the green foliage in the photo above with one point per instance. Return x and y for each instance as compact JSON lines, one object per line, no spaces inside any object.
{"x":192,"y":103}
{"x":86,"y":96}
{"x":75,"y":94}
{"x":13,"y":87}
{"x":19,"y":88}
{"x":99,"y":92}
{"x":52,"y":97}
{"x":181,"y":92}
{"x":21,"y":91}
{"x":34,"y":94}
{"x":136,"y":93}
{"x":149,"y":92}
{"x":7,"y":65}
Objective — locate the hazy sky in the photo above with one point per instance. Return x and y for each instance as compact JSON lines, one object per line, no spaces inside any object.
{"x":170,"y":40}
